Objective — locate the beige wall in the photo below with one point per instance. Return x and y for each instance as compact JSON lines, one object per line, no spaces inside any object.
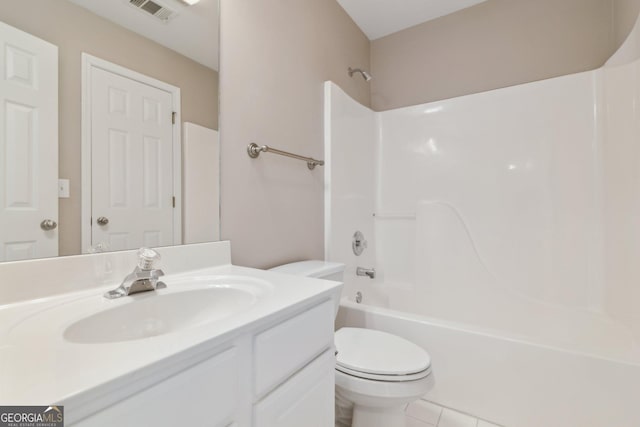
{"x":75,"y":30}
{"x":275,"y":56}
{"x":625,"y":14}
{"x":495,"y":44}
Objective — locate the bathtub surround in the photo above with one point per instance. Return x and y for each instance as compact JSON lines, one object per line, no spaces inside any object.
{"x":350,"y":172}
{"x":620,"y":166}
{"x":502,"y":182}
{"x":505,"y":226}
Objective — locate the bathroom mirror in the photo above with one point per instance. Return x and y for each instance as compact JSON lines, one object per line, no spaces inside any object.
{"x":130,"y":88}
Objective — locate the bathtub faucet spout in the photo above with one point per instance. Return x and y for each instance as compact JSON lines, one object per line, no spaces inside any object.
{"x":370,"y":272}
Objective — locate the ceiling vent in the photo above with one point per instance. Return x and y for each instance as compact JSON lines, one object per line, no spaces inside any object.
{"x":158,"y":11}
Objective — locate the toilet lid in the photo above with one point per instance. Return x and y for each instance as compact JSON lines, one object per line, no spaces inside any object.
{"x":379,"y":353}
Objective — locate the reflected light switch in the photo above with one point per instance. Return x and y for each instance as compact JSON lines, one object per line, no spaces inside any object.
{"x":63,"y":188}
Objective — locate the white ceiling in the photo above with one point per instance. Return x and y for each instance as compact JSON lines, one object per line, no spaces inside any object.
{"x":379,"y":18}
{"x":193,"y":32}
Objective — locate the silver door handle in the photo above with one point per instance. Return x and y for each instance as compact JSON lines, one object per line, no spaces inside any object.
{"x":48,"y":224}
{"x":103,"y":220}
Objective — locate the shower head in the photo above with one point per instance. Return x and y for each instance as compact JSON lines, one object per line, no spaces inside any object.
{"x":367,"y":77}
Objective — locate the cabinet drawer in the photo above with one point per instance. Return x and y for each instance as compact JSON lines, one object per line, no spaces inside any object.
{"x":307,"y":399}
{"x":284,"y":349}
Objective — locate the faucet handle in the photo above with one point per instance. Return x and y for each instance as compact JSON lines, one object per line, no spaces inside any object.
{"x":146,"y":258}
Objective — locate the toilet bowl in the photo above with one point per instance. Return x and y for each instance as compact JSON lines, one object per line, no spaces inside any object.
{"x":377,"y":373}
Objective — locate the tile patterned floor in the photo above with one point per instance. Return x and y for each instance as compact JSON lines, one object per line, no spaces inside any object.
{"x":423,"y":413}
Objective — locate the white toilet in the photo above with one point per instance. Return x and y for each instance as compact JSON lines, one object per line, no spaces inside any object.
{"x":377,"y":373}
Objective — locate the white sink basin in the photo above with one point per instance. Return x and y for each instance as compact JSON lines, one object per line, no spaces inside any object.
{"x":188,"y":302}
{"x":150,"y":314}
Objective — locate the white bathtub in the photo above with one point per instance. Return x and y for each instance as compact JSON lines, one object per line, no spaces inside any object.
{"x":513,"y":382}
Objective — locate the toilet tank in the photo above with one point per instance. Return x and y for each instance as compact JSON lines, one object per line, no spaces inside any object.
{"x":318,"y":269}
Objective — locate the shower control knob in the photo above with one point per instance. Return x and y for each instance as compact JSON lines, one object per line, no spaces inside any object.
{"x":358,"y":244}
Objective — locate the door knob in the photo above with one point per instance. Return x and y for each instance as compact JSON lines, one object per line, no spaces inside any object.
{"x":48,"y":224}
{"x":103,"y":220}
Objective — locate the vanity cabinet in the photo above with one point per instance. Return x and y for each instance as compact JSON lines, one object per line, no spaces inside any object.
{"x":276,"y":374}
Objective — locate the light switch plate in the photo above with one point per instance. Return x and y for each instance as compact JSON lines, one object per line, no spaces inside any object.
{"x":63,"y":188}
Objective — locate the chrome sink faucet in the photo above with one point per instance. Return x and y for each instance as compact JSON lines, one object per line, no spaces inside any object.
{"x":143,"y":278}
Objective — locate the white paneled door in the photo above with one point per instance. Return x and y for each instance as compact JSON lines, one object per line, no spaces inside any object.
{"x":132,"y":185}
{"x":28,"y":146}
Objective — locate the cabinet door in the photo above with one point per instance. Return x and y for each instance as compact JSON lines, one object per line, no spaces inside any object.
{"x":307,"y":399}
{"x":203,"y":395}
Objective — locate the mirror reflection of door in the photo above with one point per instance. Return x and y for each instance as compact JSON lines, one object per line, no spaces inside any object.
{"x":28,"y":146}
{"x":134,"y":175}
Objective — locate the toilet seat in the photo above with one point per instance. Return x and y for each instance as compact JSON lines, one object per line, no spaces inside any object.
{"x":379,"y":356}
{"x":391,"y":378}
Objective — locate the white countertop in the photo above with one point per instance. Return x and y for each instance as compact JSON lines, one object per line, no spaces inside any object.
{"x":39,"y":367}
